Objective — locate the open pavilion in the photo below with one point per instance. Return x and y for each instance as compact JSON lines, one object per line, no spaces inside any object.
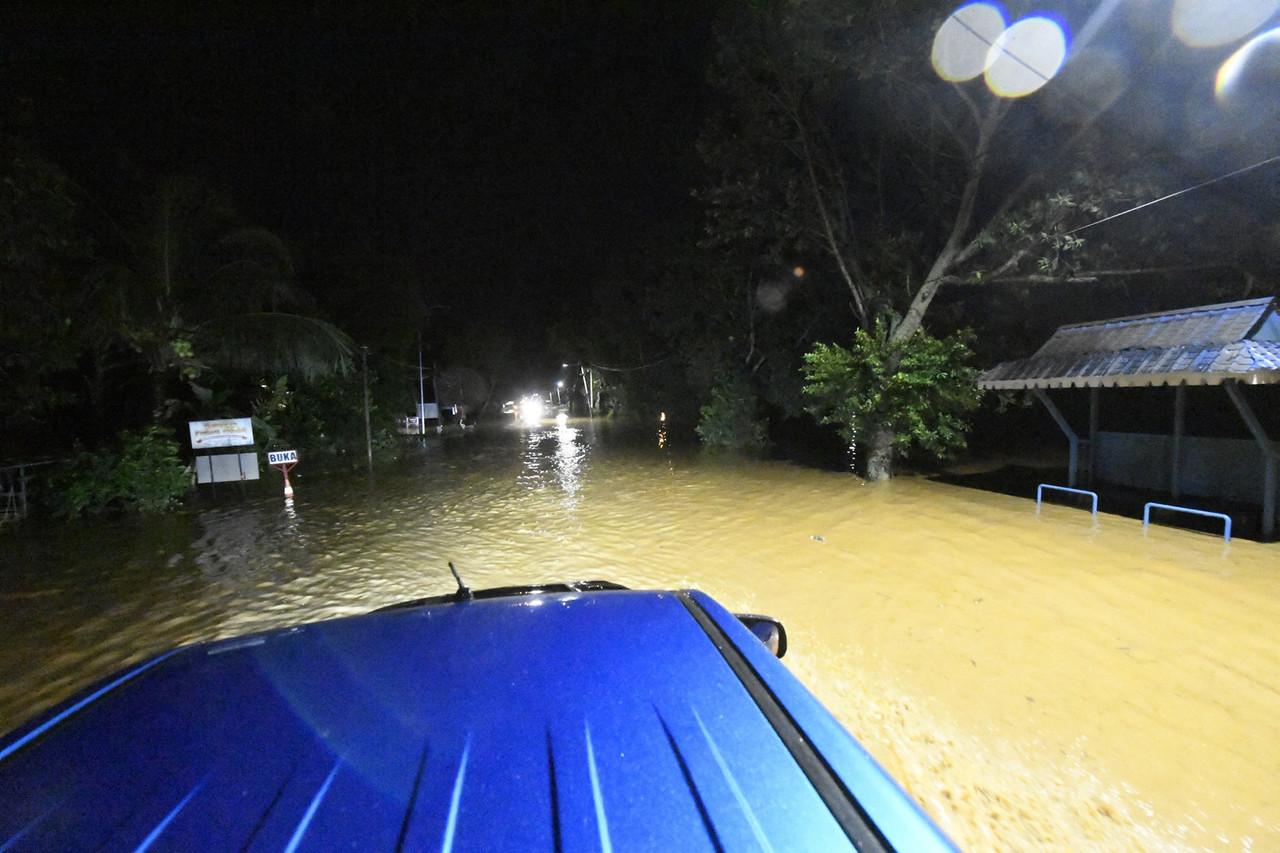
{"x":1234,"y":346}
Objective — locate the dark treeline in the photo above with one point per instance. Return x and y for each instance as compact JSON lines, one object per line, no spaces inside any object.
{"x":754,"y":217}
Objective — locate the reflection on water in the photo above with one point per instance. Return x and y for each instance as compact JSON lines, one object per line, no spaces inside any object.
{"x":554,"y":456}
{"x":1038,"y":681}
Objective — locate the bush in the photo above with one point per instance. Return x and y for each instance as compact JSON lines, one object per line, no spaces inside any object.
{"x":145,"y":473}
{"x":923,"y":389}
{"x":730,"y":421}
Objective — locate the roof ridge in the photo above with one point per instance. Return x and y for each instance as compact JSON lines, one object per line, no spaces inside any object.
{"x":1188,"y":312}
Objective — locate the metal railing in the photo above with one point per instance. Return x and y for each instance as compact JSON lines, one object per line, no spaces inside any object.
{"x":13,"y":492}
{"x":1040,"y":494}
{"x":1146,"y":516}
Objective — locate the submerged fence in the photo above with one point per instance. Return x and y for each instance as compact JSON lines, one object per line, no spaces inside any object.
{"x":13,"y":492}
{"x":1146,"y":510}
{"x":15,"y":481}
{"x":1146,"y":516}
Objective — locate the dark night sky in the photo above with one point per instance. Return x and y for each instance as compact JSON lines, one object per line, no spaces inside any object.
{"x":463,"y":136}
{"x":494,"y":145}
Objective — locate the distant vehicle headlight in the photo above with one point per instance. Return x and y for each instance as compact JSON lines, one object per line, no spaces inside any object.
{"x":531,"y":410}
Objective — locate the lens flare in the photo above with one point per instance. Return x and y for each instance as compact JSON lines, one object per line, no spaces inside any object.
{"x":962,"y":47}
{"x":1026,"y":56}
{"x":1253,"y":70}
{"x":1092,"y":79}
{"x":1211,"y":23}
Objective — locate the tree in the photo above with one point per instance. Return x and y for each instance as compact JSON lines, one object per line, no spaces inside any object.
{"x":463,"y":387}
{"x":920,"y":387}
{"x":730,"y":420}
{"x":43,"y":254}
{"x":190,"y":290}
{"x":834,"y":136}
{"x":790,"y":177}
{"x":142,"y":472}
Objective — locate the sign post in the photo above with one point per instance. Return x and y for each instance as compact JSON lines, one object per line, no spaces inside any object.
{"x":284,"y":460}
{"x":210,"y":438}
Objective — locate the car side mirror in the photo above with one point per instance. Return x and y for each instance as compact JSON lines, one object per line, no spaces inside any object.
{"x":769,"y":630}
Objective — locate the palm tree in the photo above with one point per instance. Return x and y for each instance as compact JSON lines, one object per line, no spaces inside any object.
{"x":198,"y":292}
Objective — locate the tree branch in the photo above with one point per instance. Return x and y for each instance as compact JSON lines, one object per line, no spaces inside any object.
{"x":1092,"y":277}
{"x":951,"y":254}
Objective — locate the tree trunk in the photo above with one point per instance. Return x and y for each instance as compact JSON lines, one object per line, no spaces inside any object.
{"x":880,"y":456}
{"x":956,"y":250}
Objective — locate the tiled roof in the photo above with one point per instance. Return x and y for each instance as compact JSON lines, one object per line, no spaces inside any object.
{"x":1205,"y":345}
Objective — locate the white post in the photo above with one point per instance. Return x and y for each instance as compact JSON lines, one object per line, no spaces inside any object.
{"x":368,"y":432}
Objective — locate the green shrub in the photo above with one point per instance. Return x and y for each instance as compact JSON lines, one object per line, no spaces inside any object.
{"x":143,"y":473}
{"x":923,"y":389}
{"x":730,"y":420}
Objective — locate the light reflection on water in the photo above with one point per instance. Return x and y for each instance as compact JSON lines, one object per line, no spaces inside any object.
{"x":1037,"y":681}
{"x":553,"y":457}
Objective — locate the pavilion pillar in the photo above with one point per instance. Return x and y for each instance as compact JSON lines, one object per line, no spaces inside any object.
{"x":1093,"y":431}
{"x":1179,"y":425}
{"x":1270,"y":454}
{"x":1072,"y":439}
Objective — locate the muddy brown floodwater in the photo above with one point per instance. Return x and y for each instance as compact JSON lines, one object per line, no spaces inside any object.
{"x":1037,"y":681}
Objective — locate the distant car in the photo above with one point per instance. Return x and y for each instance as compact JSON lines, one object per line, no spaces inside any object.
{"x":568,"y":717}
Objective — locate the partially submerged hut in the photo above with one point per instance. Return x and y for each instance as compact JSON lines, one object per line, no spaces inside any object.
{"x":1233,"y":345}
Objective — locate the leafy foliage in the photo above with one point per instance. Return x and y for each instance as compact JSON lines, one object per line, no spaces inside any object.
{"x":275,"y":343}
{"x":327,"y":419}
{"x":144,"y":473}
{"x":184,"y":289}
{"x":922,"y":388}
{"x":776,"y":184}
{"x":833,"y":143}
{"x":42,"y":254}
{"x":730,"y":420}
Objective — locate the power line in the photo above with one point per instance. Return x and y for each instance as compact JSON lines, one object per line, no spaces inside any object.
{"x":629,"y":369}
{"x":1184,"y":191}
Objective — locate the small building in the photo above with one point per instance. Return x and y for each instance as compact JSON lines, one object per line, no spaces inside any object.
{"x":1221,"y":353}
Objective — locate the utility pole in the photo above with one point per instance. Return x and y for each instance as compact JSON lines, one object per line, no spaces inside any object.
{"x":422,"y":393}
{"x":435,"y":392}
{"x":588,"y":385}
{"x":368,"y":431}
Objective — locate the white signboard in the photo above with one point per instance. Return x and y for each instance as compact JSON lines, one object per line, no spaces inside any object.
{"x":232,"y":432}
{"x":226,"y":467}
{"x":281,"y":457}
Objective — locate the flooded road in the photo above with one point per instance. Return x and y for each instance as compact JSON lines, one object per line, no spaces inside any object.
{"x":1036,"y":681}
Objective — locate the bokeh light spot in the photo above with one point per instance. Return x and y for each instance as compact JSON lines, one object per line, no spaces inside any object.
{"x":1026,"y":56}
{"x":963,"y":43}
{"x":1210,"y":23}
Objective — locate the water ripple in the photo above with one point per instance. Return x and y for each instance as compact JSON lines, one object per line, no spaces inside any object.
{"x":1037,"y":681}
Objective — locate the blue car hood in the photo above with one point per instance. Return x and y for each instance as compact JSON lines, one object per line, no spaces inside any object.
{"x":574,"y":721}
